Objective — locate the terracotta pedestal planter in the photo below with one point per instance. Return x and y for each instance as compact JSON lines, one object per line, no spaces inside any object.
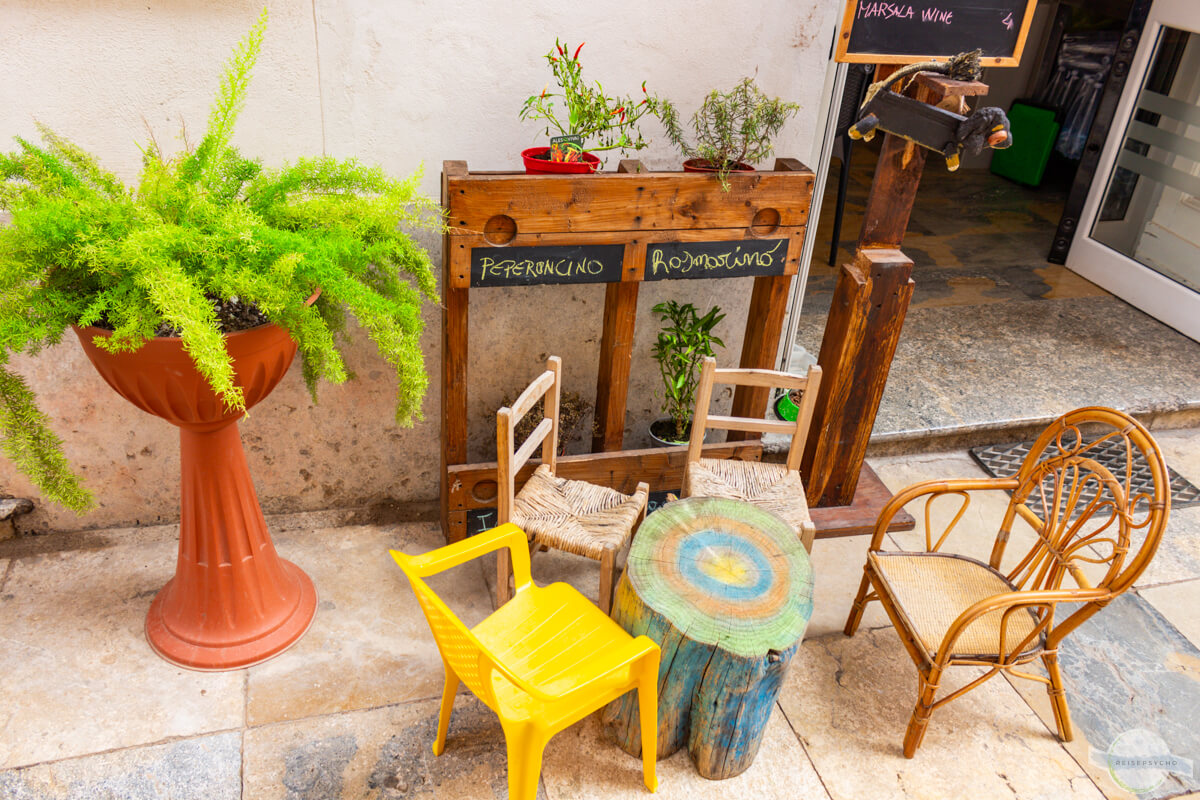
{"x":233,"y":601}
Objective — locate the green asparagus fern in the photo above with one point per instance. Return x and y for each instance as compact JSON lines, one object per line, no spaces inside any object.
{"x":203,"y":226}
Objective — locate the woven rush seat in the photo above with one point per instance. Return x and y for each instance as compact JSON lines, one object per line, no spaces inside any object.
{"x":769,"y":486}
{"x":576,"y":516}
{"x":932,"y":589}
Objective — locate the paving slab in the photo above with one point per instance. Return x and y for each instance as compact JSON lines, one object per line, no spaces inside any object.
{"x":1127,"y":668}
{"x":837,"y":573}
{"x":369,"y":644}
{"x":76,"y":673}
{"x":382,"y":754}
{"x":581,"y":764}
{"x":849,"y":701}
{"x":199,"y":768}
{"x":1179,"y":603}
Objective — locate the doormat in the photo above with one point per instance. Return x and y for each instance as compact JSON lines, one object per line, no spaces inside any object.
{"x":1003,"y":461}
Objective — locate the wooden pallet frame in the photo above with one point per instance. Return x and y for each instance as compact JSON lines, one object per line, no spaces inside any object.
{"x":632,"y":207}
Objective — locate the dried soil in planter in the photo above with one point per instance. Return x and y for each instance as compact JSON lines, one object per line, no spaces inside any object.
{"x":665,"y":430}
{"x":232,"y":316}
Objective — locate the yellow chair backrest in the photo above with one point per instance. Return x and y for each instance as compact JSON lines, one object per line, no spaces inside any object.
{"x":458,"y":646}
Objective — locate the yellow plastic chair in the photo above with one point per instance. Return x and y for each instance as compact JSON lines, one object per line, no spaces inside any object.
{"x":543,"y":661}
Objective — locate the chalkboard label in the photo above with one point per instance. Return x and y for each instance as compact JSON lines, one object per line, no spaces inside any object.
{"x":526,"y":266}
{"x":716,"y":259}
{"x":918,"y":30}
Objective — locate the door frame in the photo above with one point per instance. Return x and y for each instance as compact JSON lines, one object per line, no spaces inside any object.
{"x":1159,"y":296}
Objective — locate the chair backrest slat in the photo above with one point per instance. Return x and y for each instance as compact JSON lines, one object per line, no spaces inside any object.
{"x":807,"y":384}
{"x":509,"y":460}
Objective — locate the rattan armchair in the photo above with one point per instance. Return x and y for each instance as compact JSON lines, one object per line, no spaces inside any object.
{"x":952,"y":610}
{"x":593,"y":521}
{"x":774,"y":487}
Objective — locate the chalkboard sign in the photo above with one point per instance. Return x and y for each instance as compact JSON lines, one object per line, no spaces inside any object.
{"x":526,"y":266}
{"x":716,"y":259}
{"x":879,"y":32}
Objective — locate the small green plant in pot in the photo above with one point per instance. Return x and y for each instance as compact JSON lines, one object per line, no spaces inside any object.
{"x":581,"y":119}
{"x":685,"y":340}
{"x":209,"y":242}
{"x":732,"y":130}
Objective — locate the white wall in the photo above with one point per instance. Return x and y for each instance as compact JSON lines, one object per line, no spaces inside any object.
{"x":399,"y":84}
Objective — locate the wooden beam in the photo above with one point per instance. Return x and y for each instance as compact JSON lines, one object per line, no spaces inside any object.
{"x":616,"y":356}
{"x":764,"y":325}
{"x":474,"y":485}
{"x":868,"y":310}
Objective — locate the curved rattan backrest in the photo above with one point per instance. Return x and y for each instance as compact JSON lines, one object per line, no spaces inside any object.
{"x":1085,"y":512}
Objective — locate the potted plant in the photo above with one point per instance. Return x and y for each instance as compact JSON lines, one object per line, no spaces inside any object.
{"x":587,"y":122}
{"x":190,"y":293}
{"x":685,"y":340}
{"x":732,"y":129}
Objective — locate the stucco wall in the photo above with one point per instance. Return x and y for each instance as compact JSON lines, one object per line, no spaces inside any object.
{"x":396,"y":83}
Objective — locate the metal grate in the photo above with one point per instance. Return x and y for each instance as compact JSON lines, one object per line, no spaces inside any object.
{"x":1003,"y":461}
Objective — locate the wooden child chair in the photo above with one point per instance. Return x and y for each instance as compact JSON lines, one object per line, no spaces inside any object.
{"x":582,"y":518}
{"x":774,"y":487}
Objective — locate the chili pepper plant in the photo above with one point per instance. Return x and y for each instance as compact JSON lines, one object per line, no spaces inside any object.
{"x":594,"y":121}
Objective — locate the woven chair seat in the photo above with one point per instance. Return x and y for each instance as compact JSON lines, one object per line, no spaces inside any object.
{"x":930,"y":590}
{"x":769,"y":486}
{"x":576,"y":516}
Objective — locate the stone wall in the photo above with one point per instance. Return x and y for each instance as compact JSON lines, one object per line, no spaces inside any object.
{"x":399,"y":84}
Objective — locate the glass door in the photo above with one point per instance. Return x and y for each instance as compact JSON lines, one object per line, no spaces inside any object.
{"x":1139,"y":234}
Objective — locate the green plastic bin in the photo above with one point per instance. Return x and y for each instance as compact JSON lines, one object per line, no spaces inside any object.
{"x":1034,"y":132}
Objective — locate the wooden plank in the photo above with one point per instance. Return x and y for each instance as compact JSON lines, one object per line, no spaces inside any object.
{"x":465,"y":241}
{"x":840,"y":345}
{"x":533,"y":392}
{"x":454,"y":362}
{"x":858,"y":518}
{"x":626,"y":201}
{"x":760,"y":377}
{"x":474,"y":485}
{"x":616,"y":356}
{"x":893,"y":190}
{"x":881,"y":287}
{"x":764,"y":324}
{"x":752,"y":425}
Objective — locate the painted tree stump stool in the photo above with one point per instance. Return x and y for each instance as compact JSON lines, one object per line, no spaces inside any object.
{"x":725,"y":588}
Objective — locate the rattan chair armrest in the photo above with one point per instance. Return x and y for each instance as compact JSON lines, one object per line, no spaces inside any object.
{"x":910,"y":493}
{"x":1012,"y":600}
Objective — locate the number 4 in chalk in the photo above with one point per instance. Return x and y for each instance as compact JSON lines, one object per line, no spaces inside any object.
{"x":1008,"y":21}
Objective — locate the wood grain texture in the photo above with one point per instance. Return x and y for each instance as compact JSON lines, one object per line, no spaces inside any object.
{"x":858,"y":518}
{"x":764,"y":325}
{"x":869,"y":306}
{"x":474,"y":485}
{"x":616,"y":357}
{"x":625,"y":201}
{"x":726,"y":590}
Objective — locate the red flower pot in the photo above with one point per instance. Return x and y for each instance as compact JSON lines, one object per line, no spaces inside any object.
{"x":536,"y":165}
{"x":233,"y":601}
{"x":700,"y":165}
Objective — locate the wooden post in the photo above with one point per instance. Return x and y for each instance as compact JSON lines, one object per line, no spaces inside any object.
{"x":616,"y":345}
{"x":454,"y":366}
{"x":863,"y":328}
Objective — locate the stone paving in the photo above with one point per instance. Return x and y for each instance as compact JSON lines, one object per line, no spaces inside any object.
{"x":88,"y":711}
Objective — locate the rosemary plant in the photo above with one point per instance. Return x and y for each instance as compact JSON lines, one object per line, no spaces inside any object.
{"x":730,"y":127}
{"x":200,"y":228}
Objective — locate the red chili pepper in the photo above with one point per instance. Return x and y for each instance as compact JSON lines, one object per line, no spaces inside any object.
{"x":643,"y":86}
{"x":561,"y":50}
{"x":577,"y":49}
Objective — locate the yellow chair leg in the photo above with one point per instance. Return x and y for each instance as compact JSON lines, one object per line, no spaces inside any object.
{"x":860,"y":603}
{"x":448,"y":692}
{"x":648,"y":717}
{"x":1058,"y":697}
{"x":525,"y":743}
